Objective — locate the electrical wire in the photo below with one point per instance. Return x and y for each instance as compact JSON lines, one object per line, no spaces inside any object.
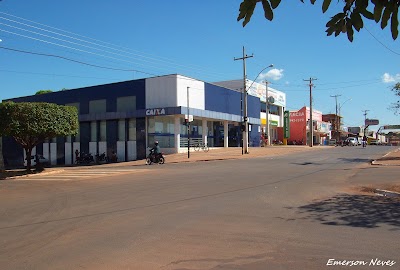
{"x":386,"y":47}
{"x":76,"y":61}
{"x":55,"y":74}
{"x":165,"y":62}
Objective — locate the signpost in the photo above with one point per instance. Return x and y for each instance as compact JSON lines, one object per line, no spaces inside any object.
{"x":391,"y":127}
{"x":286,"y":124}
{"x":371,"y":122}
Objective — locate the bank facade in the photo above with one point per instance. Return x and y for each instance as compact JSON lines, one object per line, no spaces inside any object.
{"x":127,"y":117}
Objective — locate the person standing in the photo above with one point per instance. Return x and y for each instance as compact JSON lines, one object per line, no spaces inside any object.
{"x":364,"y":141}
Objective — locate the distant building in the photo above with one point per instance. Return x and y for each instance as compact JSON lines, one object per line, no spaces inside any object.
{"x":276,"y":108}
{"x":300,"y":127}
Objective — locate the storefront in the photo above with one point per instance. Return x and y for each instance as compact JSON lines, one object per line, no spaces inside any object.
{"x":127,"y":117}
{"x":277,"y":104}
{"x":300,"y":127}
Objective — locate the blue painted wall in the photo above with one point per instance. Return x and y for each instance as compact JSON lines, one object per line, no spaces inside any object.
{"x":84,"y":95}
{"x":220,"y":99}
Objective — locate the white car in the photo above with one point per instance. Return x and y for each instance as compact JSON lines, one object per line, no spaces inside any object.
{"x":351,"y":141}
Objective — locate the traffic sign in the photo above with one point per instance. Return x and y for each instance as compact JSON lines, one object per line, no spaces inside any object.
{"x":371,"y":122}
{"x":190,"y":117}
{"x":391,"y":127}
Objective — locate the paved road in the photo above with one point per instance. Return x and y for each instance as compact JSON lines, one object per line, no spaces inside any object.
{"x":280,"y":212}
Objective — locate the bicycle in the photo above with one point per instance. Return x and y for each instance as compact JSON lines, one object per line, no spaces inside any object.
{"x":202,"y":146}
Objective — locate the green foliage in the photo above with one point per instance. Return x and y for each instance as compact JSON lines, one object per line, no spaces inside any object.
{"x":30,"y":123}
{"x":352,"y":17}
{"x":41,"y":92}
{"x":396,"y":105}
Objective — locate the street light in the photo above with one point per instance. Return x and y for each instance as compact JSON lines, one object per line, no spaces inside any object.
{"x":340,"y":106}
{"x":266,"y":97}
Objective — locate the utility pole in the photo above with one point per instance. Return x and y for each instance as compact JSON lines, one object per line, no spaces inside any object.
{"x":310,"y":83}
{"x":245,"y":134}
{"x":188,"y":121}
{"x":336,"y":118}
{"x":365,"y":120}
{"x":267,"y":112}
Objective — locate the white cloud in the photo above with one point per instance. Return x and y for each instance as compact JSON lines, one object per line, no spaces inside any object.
{"x":387,"y":78}
{"x":273,"y":74}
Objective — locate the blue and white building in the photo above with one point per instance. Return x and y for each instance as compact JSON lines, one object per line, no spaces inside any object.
{"x":127,"y":117}
{"x":276,"y":108}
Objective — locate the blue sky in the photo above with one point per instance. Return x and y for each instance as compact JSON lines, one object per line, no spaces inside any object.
{"x":198,"y":39}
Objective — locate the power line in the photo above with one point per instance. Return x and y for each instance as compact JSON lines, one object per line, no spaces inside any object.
{"x":386,"y":47}
{"x":165,"y":61}
{"x":55,"y":74}
{"x":76,"y":61}
{"x":92,"y":65}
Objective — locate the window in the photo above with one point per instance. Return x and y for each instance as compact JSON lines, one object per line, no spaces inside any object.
{"x":126,"y":104}
{"x":97,"y":106}
{"x":161,"y":129}
{"x":273,"y":109}
{"x":103,"y":131}
{"x":132,"y":129}
{"x":121,"y":130}
{"x":93,"y":131}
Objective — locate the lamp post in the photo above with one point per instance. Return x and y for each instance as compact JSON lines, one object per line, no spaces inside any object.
{"x":266,"y":99}
{"x":340,"y":106}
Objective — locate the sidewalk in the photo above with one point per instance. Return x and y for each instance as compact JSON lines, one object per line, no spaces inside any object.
{"x":391,"y":159}
{"x":225,"y":154}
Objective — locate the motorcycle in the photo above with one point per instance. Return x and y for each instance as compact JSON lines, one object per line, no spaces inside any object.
{"x":101,"y":158}
{"x":153,"y":158}
{"x":84,"y":159}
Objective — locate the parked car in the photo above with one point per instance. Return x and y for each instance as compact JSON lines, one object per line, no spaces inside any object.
{"x":351,"y":141}
{"x":375,"y":142}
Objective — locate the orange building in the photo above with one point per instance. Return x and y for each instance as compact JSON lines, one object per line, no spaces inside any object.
{"x":299,"y":127}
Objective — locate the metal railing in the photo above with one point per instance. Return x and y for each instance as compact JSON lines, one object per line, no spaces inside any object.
{"x":193,"y":142}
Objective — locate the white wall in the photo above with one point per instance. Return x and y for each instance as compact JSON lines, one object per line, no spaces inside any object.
{"x":196,"y":93}
{"x":68,"y":156}
{"x":171,"y":91}
{"x":161,"y":92}
{"x":53,"y":153}
{"x":121,"y":150}
{"x":92,"y":148}
{"x":46,"y":150}
{"x":102,"y":148}
{"x":75,"y":145}
{"x":132,"y":152}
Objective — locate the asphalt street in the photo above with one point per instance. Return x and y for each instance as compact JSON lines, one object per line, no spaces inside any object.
{"x":296,"y":211}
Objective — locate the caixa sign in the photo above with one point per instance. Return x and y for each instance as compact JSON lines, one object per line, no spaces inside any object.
{"x":152,"y":112}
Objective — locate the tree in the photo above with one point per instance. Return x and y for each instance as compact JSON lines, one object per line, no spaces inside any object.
{"x":41,"y":92}
{"x":30,"y":123}
{"x":1,"y":156}
{"x":396,"y":105}
{"x":350,"y":19}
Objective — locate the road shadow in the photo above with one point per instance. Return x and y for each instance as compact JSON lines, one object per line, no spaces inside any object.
{"x":356,"y":160}
{"x":364,"y":211}
{"x":388,"y":158}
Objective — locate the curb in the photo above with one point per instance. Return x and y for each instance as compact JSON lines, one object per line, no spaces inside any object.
{"x":22,"y":177}
{"x":387,"y":193}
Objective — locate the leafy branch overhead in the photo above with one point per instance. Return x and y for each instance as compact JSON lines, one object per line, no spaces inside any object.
{"x":351,"y":18}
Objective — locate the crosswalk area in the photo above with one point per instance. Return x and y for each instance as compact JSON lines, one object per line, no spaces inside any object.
{"x":81,"y":174}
